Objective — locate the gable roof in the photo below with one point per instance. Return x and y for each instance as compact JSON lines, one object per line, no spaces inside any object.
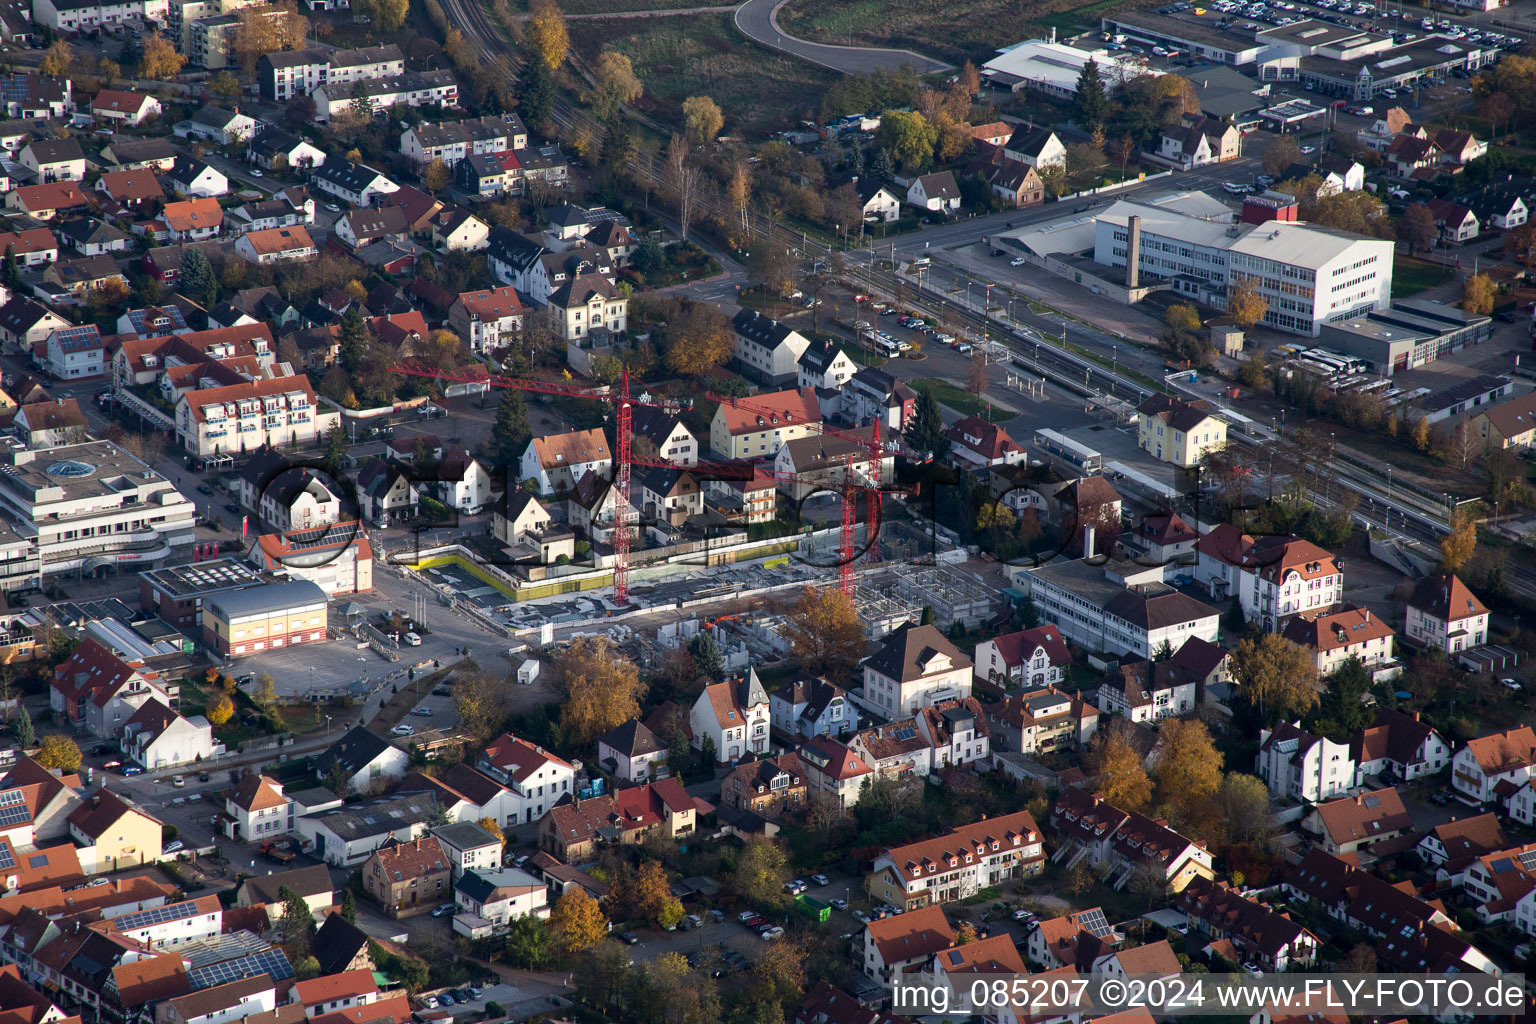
{"x":314,"y":880}
{"x":927,"y":856}
{"x":992,"y":441}
{"x":519,"y":758}
{"x":1354,"y":819}
{"x":912,"y":936}
{"x":572,"y":448}
{"x":768,"y":412}
{"x":1505,"y":751}
{"x":1177,"y":413}
{"x":102,"y":810}
{"x":257,"y":793}
{"x":1331,"y":631}
{"x":904,"y":652}
{"x":1443,"y":596}
{"x":411,"y":859}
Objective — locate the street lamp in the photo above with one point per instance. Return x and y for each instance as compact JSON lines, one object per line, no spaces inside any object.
{"x":327,"y":725}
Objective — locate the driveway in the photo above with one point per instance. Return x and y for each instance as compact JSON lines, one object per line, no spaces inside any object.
{"x":759,"y":21}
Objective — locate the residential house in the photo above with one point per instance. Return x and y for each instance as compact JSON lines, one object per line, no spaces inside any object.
{"x":1458,"y":148}
{"x":1297,"y":766}
{"x":114,"y":106}
{"x":469,"y":846}
{"x":537,"y":779}
{"x":129,"y":154}
{"x":834,"y":773}
{"x":1041,"y":721}
{"x":1350,"y":824}
{"x":1166,"y":538}
{"x":825,"y":365}
{"x":893,"y":945}
{"x":1346,"y":172}
{"x":956,"y":731}
{"x":335,"y":992}
{"x":358,"y":228}
{"x":114,"y":833}
{"x":1038,"y":147}
{"x":225,"y":127}
{"x":1148,"y":691}
{"x":893,"y":750}
{"x":488,"y":319}
{"x":1335,"y":637}
{"x":44,"y":202}
{"x":196,"y":179}
{"x":358,"y":760}
{"x":673,"y":442}
{"x":556,"y":462}
{"x":573,"y":831}
{"x":1456,"y":223}
{"x":767,"y":351}
{"x":632,"y":752}
{"x":1399,"y":747}
{"x":51,"y":424}
{"x":347,"y":836}
{"x":878,"y":203}
{"x":936,"y":193}
{"x":975,"y":442}
{"x":278,"y":150}
{"x":276,"y":245}
{"x":25,"y":324}
{"x":352,"y":183}
{"x":757,"y":427}
{"x":500,"y":897}
{"x":1018,"y":184}
{"x":1510,"y":424}
{"x":1410,"y":156}
{"x":457,"y":230}
{"x":1453,"y":847}
{"x":1444,"y":615}
{"x":91,"y":237}
{"x":1500,"y":209}
{"x":95,"y":688}
{"x":1273,"y":578}
{"x":31,"y":247}
{"x":588,"y":304}
{"x":1030,"y":658}
{"x":413,"y":89}
{"x":669,"y":495}
{"x":452,"y":141}
{"x":809,"y":706}
{"x":384,"y":490}
{"x":193,"y":220}
{"x":771,"y":788}
{"x":312,"y":883}
{"x":157,"y":737}
{"x":256,"y":809}
{"x":53,"y":160}
{"x":1179,"y":431}
{"x":959,"y":863}
{"x":1487,"y":763}
{"x":1122,"y":843}
{"x":914,"y":667}
{"x":1198,"y":140}
{"x":408,"y":877}
{"x":1259,"y":933}
{"x":731,"y":718}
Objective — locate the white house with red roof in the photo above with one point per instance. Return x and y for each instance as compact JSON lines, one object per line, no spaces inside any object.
{"x":1495,"y":765}
{"x":97,"y":689}
{"x":334,"y":992}
{"x":834,"y":771}
{"x":1167,"y":538}
{"x":1273,"y":578}
{"x":535,"y":777}
{"x":1400,"y":746}
{"x":1122,"y":842}
{"x":956,"y":731}
{"x":1039,"y":721}
{"x":901,"y":941}
{"x":733,"y":716}
{"x":1031,"y":658}
{"x":1445,"y":615}
{"x":116,"y":106}
{"x":255,"y":809}
{"x":1335,"y":637}
{"x":959,"y":863}
{"x":974,"y":442}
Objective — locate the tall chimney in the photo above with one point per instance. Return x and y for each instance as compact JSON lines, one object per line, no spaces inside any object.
{"x":1088,"y":541}
{"x":1133,"y":252}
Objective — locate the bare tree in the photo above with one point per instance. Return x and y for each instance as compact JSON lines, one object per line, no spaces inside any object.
{"x":684,"y":181}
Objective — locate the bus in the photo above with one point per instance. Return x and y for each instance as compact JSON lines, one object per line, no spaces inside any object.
{"x":1079,"y":456}
{"x":1314,"y":366}
{"x":1348,"y":363}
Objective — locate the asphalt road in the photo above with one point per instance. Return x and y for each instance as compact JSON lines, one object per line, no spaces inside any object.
{"x":758,"y":20}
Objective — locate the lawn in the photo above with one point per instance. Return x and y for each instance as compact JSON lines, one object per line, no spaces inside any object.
{"x":759,"y":90}
{"x":957,"y":31}
{"x":1411,"y":276}
{"x":956,"y":398}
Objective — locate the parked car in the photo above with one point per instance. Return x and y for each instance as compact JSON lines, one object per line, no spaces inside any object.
{"x":746,"y":915}
{"x":1017,"y":261}
{"x":444,"y":910}
{"x":172,"y":846}
{"x":820,"y":879}
{"x":861,"y":917}
{"x":446,"y":998}
{"x":429,"y":1002}
{"x":412,"y":640}
{"x":204,"y":489}
{"x":132,"y":770}
{"x":629,"y":938}
{"x":423,"y":712}
{"x":403,"y":730}
{"x":178,"y":781}
{"x":838,"y":903}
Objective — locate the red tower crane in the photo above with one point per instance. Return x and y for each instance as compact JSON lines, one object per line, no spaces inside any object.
{"x":624,"y":459}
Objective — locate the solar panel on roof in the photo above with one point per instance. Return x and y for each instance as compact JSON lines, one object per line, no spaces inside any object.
{"x":270,"y":962}
{"x":39,"y":860}
{"x":905,"y":734}
{"x":155,"y":915}
{"x":13,"y":808}
{"x":955,"y":956}
{"x":1094,"y":922}
{"x":7,"y":858}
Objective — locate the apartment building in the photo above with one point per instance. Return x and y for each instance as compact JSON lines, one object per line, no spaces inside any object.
{"x":452,"y":141}
{"x":1308,"y":275}
{"x":1121,"y":842}
{"x":1444,"y":615}
{"x":733,"y":716}
{"x":1506,"y":759}
{"x":960,"y":863}
{"x":1335,"y":637}
{"x":411,"y":89}
{"x":1117,"y":607}
{"x":280,"y":411}
{"x":487,"y":319}
{"x":915,"y":667}
{"x":756,"y":427}
{"x":1297,"y":765}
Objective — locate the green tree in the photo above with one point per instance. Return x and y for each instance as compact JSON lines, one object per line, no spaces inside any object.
{"x":706,"y":657}
{"x":1090,"y":103}
{"x":307,"y":968}
{"x":926,"y":431}
{"x":908,"y":137}
{"x":349,"y":906}
{"x":615,"y":84}
{"x":761,"y":871}
{"x":1242,"y":805}
{"x":1479,"y":294}
{"x":1340,"y":712}
{"x":197,"y":279}
{"x":703,"y":118}
{"x":26,"y":735}
{"x":336,"y":445}
{"x":527,"y":945}
{"x":59,"y":752}
{"x":298,"y":923}
{"x":537,"y":97}
{"x":353,"y":343}
{"x":511,"y":431}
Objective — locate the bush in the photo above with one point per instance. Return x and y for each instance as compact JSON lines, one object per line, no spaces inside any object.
{"x":494,"y":1009}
